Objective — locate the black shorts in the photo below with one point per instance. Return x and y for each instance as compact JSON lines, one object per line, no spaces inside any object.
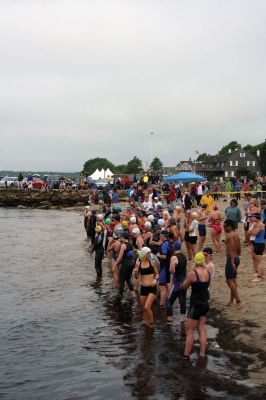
{"x":229,"y":273}
{"x":202,"y":230}
{"x":258,"y":248}
{"x":146,"y":290}
{"x":187,"y":236}
{"x":197,"y":310}
{"x":193,"y":239}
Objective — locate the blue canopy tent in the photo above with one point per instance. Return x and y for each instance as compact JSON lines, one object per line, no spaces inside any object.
{"x":185,"y":177}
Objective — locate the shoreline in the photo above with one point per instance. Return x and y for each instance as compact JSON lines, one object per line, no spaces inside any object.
{"x":241,"y":333}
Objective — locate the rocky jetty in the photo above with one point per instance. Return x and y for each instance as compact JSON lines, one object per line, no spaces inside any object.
{"x":45,"y":199}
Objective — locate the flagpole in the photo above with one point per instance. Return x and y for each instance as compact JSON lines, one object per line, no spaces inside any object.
{"x":152,"y":133}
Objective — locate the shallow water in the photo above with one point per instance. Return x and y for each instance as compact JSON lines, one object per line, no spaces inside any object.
{"x":64,"y":335}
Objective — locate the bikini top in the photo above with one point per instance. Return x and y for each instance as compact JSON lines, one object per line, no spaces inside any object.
{"x":147,"y":270}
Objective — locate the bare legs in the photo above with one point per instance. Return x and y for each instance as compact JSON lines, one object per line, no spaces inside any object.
{"x":163,"y":294}
{"x":191,"y":326}
{"x":146,"y":303}
{"x":189,"y":251}
{"x":201,"y":242}
{"x":233,"y":292}
{"x":216,"y":239}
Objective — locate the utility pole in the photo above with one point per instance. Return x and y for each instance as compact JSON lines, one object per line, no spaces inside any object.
{"x":152,"y":134}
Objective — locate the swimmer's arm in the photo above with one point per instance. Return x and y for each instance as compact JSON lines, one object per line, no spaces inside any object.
{"x":162,"y":256}
{"x":231,"y":252}
{"x":120,"y":255}
{"x":188,"y":281}
{"x":139,"y":243}
{"x":155,"y":243}
{"x":173,"y":263}
{"x":110,"y":245}
{"x":136,"y":271}
{"x":255,"y":230}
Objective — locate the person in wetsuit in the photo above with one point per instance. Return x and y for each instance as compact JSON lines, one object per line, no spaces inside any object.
{"x":178,"y":267}
{"x":126,"y":261}
{"x":199,"y":279}
{"x":164,"y":256}
{"x":98,"y":247}
{"x":91,"y":224}
{"x":146,"y":271}
{"x":114,"y":248}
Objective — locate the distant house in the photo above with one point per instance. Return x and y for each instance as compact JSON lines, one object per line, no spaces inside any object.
{"x":238,"y":163}
{"x":186,"y":166}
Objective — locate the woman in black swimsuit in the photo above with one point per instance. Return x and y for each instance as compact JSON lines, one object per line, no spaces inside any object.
{"x":199,"y":280}
{"x":146,"y":270}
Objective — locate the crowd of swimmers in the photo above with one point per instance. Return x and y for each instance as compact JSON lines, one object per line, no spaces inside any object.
{"x":144,"y":242}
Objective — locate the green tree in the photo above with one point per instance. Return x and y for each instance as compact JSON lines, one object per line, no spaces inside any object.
{"x":91,"y":165}
{"x":134,"y":166}
{"x":203,"y":157}
{"x":253,"y":149}
{"x":120,"y":169}
{"x":263,"y":157}
{"x":156,"y":165}
{"x":232,"y":145}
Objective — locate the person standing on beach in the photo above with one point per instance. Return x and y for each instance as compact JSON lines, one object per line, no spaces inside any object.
{"x":178,"y":267}
{"x":207,"y":199}
{"x":233,"y":212}
{"x":146,"y":271}
{"x":199,"y":279}
{"x":257,"y":233}
{"x":126,"y":261}
{"x":202,"y":218}
{"x":233,"y":251}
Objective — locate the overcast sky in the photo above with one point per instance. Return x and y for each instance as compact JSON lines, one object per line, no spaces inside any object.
{"x":81,"y":79}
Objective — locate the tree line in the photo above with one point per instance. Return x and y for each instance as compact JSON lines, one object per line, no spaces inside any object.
{"x":133,"y":166}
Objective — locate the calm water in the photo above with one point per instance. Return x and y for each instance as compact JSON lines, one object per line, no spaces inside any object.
{"x":64,"y":336}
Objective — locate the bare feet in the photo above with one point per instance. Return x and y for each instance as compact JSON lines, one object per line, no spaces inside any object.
{"x":238,"y":305}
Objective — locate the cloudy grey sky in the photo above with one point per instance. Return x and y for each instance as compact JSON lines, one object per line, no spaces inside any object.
{"x":81,"y":79}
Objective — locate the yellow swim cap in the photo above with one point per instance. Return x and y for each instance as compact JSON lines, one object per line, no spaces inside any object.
{"x":124,"y":224}
{"x":199,"y":259}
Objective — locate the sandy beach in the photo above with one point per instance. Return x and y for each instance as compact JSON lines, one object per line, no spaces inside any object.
{"x":248,"y":324}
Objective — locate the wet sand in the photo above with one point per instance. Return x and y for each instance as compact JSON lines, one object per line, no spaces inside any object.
{"x":247,"y":326}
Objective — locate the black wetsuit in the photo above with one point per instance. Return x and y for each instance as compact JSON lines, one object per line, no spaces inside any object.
{"x":126,"y":269}
{"x":99,"y":253}
{"x":91,"y":224}
{"x":177,"y":290}
{"x":199,"y":299}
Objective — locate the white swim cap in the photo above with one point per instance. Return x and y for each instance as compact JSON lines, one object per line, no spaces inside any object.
{"x":161,"y":222}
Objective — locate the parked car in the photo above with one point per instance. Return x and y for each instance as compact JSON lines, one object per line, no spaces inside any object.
{"x":38,"y":183}
{"x":101,"y":183}
{"x":9,"y":181}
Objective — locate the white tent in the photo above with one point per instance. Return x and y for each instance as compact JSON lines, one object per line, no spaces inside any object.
{"x":101,"y":174}
{"x":96,"y":175}
{"x":108,"y":172}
